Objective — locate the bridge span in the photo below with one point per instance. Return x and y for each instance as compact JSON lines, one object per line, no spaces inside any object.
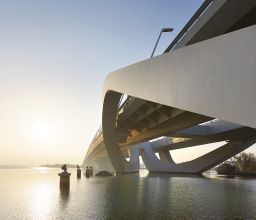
{"x":200,"y":91}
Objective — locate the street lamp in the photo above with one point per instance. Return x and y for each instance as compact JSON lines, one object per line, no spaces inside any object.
{"x":162,"y":30}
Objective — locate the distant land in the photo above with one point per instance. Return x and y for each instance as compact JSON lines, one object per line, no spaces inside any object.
{"x":59,"y":165}
{"x":14,"y":166}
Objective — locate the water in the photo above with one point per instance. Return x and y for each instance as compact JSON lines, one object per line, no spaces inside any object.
{"x":35,"y":194}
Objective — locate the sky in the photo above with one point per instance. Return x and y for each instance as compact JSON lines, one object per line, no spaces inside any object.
{"x":54,"y":57}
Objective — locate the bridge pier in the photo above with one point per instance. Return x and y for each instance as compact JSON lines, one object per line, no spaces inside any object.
{"x":100,"y":163}
{"x":134,"y":163}
{"x":120,"y":164}
{"x":198,"y":165}
{"x":165,"y":156}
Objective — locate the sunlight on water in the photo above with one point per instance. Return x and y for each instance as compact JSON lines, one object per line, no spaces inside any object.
{"x":42,"y":202}
{"x":41,"y":169}
{"x":35,"y":194}
{"x":143,"y":172}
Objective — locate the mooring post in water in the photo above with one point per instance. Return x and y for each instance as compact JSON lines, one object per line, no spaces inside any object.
{"x":87,"y":172}
{"x":78,"y":172}
{"x":91,"y":171}
{"x":64,"y":177}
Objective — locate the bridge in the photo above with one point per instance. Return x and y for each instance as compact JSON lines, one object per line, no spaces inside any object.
{"x":200,"y":91}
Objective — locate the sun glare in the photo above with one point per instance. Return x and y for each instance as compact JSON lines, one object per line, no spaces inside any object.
{"x":42,"y":201}
{"x":42,"y":131}
{"x":41,"y":169}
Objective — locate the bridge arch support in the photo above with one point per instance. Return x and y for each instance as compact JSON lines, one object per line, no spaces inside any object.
{"x":120,"y":164}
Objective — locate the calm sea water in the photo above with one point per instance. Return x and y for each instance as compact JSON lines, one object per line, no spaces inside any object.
{"x":35,"y":194}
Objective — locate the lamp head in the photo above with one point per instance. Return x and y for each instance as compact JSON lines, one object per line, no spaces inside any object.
{"x":167,"y":29}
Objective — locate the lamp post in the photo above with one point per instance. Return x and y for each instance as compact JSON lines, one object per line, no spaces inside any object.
{"x":162,"y":30}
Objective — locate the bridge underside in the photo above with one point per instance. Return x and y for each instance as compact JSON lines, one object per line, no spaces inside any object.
{"x":186,"y":129}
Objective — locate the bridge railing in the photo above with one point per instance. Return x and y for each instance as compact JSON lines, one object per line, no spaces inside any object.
{"x":98,"y":132}
{"x":187,"y":27}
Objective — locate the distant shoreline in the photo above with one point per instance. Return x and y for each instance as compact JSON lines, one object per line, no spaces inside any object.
{"x":31,"y":166}
{"x":245,"y":174}
{"x":14,"y":166}
{"x":59,"y":165}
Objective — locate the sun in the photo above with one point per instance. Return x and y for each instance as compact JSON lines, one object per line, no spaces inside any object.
{"x":42,"y":131}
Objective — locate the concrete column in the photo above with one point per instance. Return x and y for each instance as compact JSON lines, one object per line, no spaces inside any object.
{"x":110,"y":108}
{"x":198,"y":165}
{"x":134,"y":164}
{"x":165,"y":156}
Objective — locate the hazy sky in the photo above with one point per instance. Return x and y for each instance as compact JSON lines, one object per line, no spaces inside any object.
{"x":54,"y":57}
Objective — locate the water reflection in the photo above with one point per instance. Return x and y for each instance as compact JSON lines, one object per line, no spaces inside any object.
{"x":168,"y":175}
{"x":132,"y":196}
{"x":157,"y":196}
{"x":41,"y":169}
{"x":127,"y":186}
{"x":84,"y":174}
{"x":42,"y":203}
{"x":64,"y":197}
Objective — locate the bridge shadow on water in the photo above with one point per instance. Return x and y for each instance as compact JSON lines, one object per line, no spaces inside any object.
{"x":167,"y":196}
{"x":169,"y":175}
{"x":157,"y":195}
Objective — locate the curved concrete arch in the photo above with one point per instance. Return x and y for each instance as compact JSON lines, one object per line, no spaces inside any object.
{"x":110,"y":108}
{"x":210,"y":78}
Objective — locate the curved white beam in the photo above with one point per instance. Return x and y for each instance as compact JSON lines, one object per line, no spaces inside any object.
{"x":198,"y":165}
{"x":215,"y":78}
